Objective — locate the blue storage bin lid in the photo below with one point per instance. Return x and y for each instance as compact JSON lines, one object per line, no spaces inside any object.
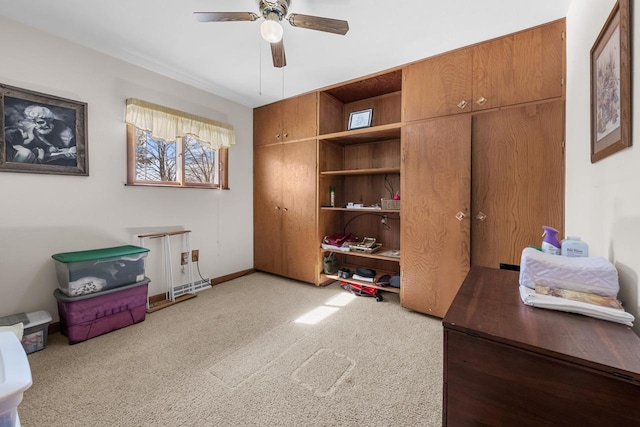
{"x":96,"y":254}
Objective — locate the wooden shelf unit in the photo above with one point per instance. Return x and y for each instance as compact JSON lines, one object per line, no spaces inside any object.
{"x":362,"y":282}
{"x":362,"y":210}
{"x":363,"y":165}
{"x":368,"y":171}
{"x":444,"y":131}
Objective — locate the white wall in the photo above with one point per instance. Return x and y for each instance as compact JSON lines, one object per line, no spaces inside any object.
{"x":602,"y":199}
{"x":41,"y":215}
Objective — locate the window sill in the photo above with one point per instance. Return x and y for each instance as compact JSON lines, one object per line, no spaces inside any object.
{"x":206,"y":187}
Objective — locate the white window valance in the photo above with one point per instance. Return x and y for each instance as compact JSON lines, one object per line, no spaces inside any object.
{"x":167,"y":124}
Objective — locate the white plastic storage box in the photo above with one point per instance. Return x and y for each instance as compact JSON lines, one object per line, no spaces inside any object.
{"x":15,"y":378}
{"x":35,"y":333}
{"x":96,"y":270}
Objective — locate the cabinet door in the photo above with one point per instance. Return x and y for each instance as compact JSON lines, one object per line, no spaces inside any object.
{"x":517,"y":180}
{"x":267,"y":209}
{"x":522,"y":67}
{"x":434,"y":241}
{"x":299,"y":117}
{"x":438,"y":86}
{"x":267,"y":124}
{"x":300,"y":243}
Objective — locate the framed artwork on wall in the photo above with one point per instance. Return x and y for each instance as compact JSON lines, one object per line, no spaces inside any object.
{"x":42,"y":133}
{"x":611,"y":85}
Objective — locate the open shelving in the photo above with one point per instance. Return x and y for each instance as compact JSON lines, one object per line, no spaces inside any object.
{"x":363,"y":166}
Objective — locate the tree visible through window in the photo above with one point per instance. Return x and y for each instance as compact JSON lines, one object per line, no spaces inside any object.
{"x":155,"y":159}
{"x":200,"y":163}
{"x":185,"y":162}
{"x":170,"y":148}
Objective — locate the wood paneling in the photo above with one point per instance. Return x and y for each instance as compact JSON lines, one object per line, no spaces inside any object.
{"x":299,"y":210}
{"x":299,"y":117}
{"x":522,"y":67}
{"x":438,"y":86}
{"x":285,"y":210}
{"x":517,"y":180}
{"x":386,"y":109}
{"x":368,"y":87}
{"x":288,"y":120}
{"x":330,"y":114}
{"x":267,"y":124}
{"x":267,"y":208}
{"x":436,"y":173}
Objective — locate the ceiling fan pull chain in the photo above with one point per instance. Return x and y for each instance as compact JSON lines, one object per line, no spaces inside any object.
{"x":260,"y":67}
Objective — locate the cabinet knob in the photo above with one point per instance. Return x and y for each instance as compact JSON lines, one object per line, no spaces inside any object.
{"x":286,"y":135}
{"x":460,"y":216}
{"x":481,"y":101}
{"x":481,"y":216}
{"x":277,"y":208}
{"x":462,"y":104}
{"x":278,"y":136}
{"x":285,"y":209}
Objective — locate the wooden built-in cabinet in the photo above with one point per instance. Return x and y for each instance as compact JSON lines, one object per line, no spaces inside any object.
{"x":471,"y":140}
{"x":284,"y":210}
{"x":517,"y":180}
{"x":519,"y":68}
{"x":522,"y":67}
{"x":436,"y":183}
{"x":438,"y":86}
{"x":288,"y":120}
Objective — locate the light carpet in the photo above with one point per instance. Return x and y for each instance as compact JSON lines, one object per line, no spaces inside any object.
{"x":234,"y":356}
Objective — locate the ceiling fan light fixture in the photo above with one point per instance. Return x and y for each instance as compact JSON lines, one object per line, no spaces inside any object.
{"x":271,"y":30}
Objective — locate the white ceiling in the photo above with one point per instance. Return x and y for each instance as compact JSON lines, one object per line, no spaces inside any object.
{"x":231,"y":60}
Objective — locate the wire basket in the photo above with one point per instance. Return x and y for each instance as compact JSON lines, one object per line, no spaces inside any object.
{"x":390,"y":204}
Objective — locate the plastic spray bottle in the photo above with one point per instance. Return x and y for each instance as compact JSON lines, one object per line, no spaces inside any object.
{"x":332,"y":195}
{"x":550,"y":242}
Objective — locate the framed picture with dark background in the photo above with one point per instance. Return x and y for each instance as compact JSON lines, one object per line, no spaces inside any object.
{"x":42,"y":133}
{"x":611,"y":85}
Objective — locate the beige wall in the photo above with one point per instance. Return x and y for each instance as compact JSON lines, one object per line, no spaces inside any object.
{"x":41,"y":215}
{"x":602,"y":199}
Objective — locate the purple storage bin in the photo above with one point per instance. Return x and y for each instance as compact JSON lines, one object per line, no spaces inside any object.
{"x":88,"y":316}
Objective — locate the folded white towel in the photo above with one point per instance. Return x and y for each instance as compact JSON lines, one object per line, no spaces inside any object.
{"x":591,"y":275}
{"x":530,"y":297}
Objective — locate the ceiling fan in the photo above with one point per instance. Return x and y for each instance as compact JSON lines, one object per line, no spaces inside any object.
{"x":273,"y":12}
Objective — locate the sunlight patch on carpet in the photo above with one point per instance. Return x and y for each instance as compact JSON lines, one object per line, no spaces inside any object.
{"x":316,"y":315}
{"x":323,"y":372}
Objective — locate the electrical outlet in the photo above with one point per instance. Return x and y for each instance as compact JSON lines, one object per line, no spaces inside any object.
{"x":183,"y":258}
{"x":195,"y":254}
{"x":384,"y":219}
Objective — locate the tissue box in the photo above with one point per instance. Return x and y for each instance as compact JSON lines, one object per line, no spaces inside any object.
{"x":592,"y":275}
{"x":85,"y":272}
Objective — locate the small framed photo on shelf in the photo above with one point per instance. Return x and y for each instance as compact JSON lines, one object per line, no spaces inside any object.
{"x":360,"y":119}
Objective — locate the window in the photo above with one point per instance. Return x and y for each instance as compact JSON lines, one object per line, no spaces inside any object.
{"x":170,"y":148}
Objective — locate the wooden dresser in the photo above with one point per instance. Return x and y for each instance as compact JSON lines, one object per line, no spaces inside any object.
{"x":509,"y":364}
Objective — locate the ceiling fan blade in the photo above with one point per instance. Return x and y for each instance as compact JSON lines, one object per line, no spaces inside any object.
{"x":336,"y":26}
{"x":277,"y":51}
{"x":224,"y":16}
